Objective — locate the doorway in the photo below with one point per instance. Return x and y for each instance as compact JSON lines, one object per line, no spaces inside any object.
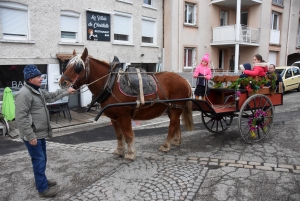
{"x":244,"y":18}
{"x":221,"y":59}
{"x":223,"y":18}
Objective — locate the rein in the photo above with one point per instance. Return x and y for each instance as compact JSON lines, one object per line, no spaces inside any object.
{"x":82,"y":87}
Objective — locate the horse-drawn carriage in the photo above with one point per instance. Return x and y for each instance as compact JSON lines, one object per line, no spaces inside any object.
{"x":141,"y":96}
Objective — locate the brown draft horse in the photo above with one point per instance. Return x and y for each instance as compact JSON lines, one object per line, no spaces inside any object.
{"x":172,"y":86}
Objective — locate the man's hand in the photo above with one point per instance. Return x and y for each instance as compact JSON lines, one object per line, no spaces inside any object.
{"x":71,"y":90}
{"x":33,"y":142}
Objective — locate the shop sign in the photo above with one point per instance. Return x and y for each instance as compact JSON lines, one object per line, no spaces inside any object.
{"x":12,"y":75}
{"x":98,"y":26}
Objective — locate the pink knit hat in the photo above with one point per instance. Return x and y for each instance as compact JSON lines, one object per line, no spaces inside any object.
{"x":206,"y":58}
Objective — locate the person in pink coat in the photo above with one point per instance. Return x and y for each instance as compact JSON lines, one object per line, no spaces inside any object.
{"x":259,"y":68}
{"x":203,"y":74}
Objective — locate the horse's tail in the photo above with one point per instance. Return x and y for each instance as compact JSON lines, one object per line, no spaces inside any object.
{"x":187,"y":116}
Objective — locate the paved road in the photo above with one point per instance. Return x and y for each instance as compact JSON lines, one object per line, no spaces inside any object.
{"x":205,"y":167}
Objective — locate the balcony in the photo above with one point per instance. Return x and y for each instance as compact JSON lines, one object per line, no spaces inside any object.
{"x":275,"y":37}
{"x":232,"y":3}
{"x":277,"y":2}
{"x":227,"y":35}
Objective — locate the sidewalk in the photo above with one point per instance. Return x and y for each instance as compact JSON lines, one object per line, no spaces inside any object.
{"x":79,"y":116}
{"x":82,"y":119}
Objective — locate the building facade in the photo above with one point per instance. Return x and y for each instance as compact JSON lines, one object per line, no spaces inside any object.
{"x":231,"y":31}
{"x":46,"y":33}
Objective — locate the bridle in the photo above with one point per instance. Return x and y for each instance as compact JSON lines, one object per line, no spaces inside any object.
{"x":85,"y":72}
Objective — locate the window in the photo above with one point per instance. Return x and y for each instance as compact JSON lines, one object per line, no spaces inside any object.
{"x":69,"y":26}
{"x":288,"y":73}
{"x":14,"y":20}
{"x":149,"y":2}
{"x":223,"y":18}
{"x":189,"y":57}
{"x":278,"y":2}
{"x":190,"y":14}
{"x":272,"y":57}
{"x":296,"y":71}
{"x":148,"y":30}
{"x":122,"y":27}
{"x":275,"y":21}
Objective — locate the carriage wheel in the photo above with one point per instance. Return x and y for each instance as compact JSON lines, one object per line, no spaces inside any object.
{"x":216,"y":124}
{"x":5,"y":124}
{"x":256,"y":118}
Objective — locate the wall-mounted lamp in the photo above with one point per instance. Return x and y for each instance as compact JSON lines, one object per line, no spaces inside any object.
{"x":142,"y":55}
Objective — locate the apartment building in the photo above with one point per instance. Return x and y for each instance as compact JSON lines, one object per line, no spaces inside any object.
{"x":231,"y":31}
{"x":46,"y":33}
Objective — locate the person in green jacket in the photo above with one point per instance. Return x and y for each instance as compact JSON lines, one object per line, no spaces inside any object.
{"x":33,"y":121}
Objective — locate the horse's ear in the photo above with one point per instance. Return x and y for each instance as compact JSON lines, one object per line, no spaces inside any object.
{"x":84,"y":54}
{"x":74,"y":52}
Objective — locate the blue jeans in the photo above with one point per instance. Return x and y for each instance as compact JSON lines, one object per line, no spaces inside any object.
{"x":39,"y":161}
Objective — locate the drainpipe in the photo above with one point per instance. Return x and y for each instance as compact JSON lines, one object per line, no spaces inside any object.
{"x":179,"y":35}
{"x":288,"y":33}
{"x":237,"y":35}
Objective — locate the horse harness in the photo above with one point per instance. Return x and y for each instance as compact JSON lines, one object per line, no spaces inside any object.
{"x":135,"y":82}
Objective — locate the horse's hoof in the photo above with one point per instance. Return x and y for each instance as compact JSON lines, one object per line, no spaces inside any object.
{"x":120,"y":152}
{"x":176,"y":142}
{"x":164,"y":149}
{"x":130,"y":156}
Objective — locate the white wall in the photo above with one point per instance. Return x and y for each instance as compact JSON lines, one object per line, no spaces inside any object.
{"x":52,"y":71}
{"x":85,"y":97}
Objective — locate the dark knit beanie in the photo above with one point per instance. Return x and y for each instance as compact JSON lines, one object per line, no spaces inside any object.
{"x":31,"y":71}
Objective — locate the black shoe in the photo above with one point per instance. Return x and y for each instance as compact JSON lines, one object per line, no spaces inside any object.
{"x":51,"y":183}
{"x":50,"y":192}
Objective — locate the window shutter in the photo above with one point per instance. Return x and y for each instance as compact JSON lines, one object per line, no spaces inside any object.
{"x":148,"y":28}
{"x":121,"y":25}
{"x":14,"y":21}
{"x":195,"y":14}
{"x":69,"y":24}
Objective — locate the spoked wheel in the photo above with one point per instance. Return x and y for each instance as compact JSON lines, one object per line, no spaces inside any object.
{"x":256,"y":118}
{"x":215,"y":123}
{"x":4,"y":124}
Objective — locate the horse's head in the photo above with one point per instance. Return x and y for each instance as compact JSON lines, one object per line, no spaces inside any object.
{"x":75,"y":71}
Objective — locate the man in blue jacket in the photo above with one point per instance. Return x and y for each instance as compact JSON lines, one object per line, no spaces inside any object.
{"x":33,"y":121}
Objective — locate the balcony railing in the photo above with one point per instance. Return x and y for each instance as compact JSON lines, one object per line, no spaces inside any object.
{"x":275,"y":37}
{"x":277,"y":2}
{"x":298,"y":41}
{"x":227,"y":34}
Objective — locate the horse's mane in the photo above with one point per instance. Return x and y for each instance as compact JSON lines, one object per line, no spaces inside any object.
{"x":77,"y":59}
{"x":100,"y":61}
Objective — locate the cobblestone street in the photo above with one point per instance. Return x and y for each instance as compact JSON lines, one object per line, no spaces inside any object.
{"x":209,"y":167}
